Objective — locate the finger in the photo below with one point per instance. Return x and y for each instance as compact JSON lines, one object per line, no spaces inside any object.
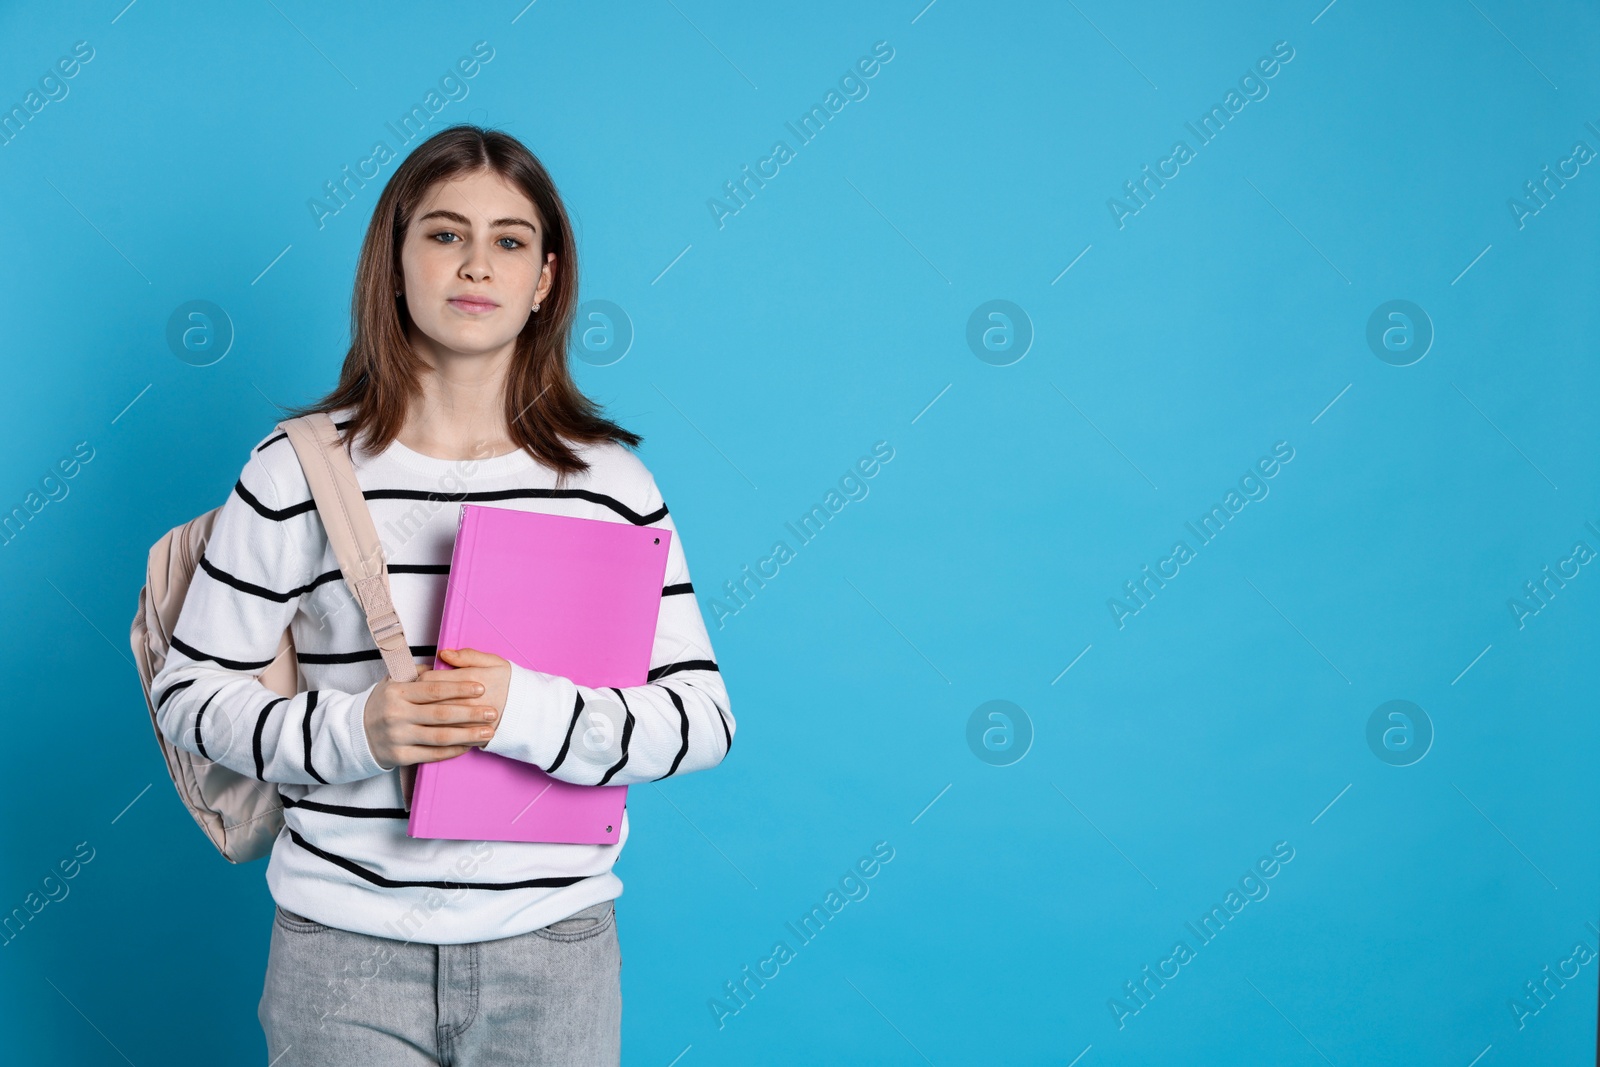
{"x":469,"y":657}
{"x":441,"y":689}
{"x":453,"y":714}
{"x":433,"y":674}
{"x":432,"y":755}
{"x":444,"y":736}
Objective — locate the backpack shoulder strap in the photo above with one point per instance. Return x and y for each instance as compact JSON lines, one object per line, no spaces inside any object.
{"x":351,"y":532}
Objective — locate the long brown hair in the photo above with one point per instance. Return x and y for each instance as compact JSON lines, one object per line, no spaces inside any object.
{"x":381,"y":374}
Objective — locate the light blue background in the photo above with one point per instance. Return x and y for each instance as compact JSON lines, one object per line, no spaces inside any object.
{"x":828,"y":314}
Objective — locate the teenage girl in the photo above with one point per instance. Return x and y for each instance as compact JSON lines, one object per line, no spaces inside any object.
{"x":387,"y":949}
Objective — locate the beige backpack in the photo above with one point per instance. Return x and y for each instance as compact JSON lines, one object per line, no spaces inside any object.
{"x":240,"y":814}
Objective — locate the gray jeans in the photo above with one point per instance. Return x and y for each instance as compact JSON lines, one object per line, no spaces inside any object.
{"x":549,"y":996}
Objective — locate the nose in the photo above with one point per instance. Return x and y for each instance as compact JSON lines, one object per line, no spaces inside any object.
{"x":475,"y":266}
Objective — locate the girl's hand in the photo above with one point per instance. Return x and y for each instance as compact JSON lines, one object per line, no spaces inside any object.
{"x":473,"y":665}
{"x":437,"y":717}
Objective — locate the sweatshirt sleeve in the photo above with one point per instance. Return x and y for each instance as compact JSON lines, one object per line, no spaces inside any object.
{"x":678,"y":722}
{"x":257,"y":563}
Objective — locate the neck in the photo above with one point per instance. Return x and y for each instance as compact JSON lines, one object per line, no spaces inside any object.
{"x":460,"y":411}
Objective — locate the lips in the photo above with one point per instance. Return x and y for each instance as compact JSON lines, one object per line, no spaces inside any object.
{"x":473,"y":303}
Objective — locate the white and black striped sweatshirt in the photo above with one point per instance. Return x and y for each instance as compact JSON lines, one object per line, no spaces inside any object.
{"x":344,"y":858}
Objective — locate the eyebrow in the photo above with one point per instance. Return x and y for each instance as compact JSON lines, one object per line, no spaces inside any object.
{"x":464,"y":221}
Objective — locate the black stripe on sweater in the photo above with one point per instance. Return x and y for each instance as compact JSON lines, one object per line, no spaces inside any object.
{"x":261,"y":725}
{"x":305,"y":735}
{"x":334,"y":575}
{"x":358,"y":657}
{"x":522,"y":493}
{"x":627,"y":732}
{"x":260,"y":590}
{"x":683,"y":749}
{"x":232,"y":664}
{"x":682,"y":665}
{"x":727,"y":736}
{"x":566,"y":742}
{"x":301,"y":657}
{"x":347,"y":810}
{"x":396,"y":883}
{"x":722,"y":717}
{"x":281,"y":514}
{"x":173,"y":688}
{"x":199,"y":742}
{"x":275,"y":514}
{"x":322,"y":579}
{"x":283,"y":434}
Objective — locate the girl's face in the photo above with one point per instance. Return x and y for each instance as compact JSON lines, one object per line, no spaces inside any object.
{"x":472,"y":267}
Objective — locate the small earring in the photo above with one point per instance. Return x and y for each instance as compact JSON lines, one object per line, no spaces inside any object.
{"x":536,"y":307}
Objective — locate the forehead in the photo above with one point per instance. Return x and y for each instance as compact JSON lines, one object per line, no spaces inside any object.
{"x":480,"y":195}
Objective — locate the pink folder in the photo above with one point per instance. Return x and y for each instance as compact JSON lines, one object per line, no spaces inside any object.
{"x":553,"y":593}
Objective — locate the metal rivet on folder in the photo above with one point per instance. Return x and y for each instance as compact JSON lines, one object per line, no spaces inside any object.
{"x":657,"y":541}
{"x":608,"y":829}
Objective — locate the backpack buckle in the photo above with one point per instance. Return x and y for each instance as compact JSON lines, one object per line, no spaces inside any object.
{"x":373,"y":593}
{"x":385,"y":626}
